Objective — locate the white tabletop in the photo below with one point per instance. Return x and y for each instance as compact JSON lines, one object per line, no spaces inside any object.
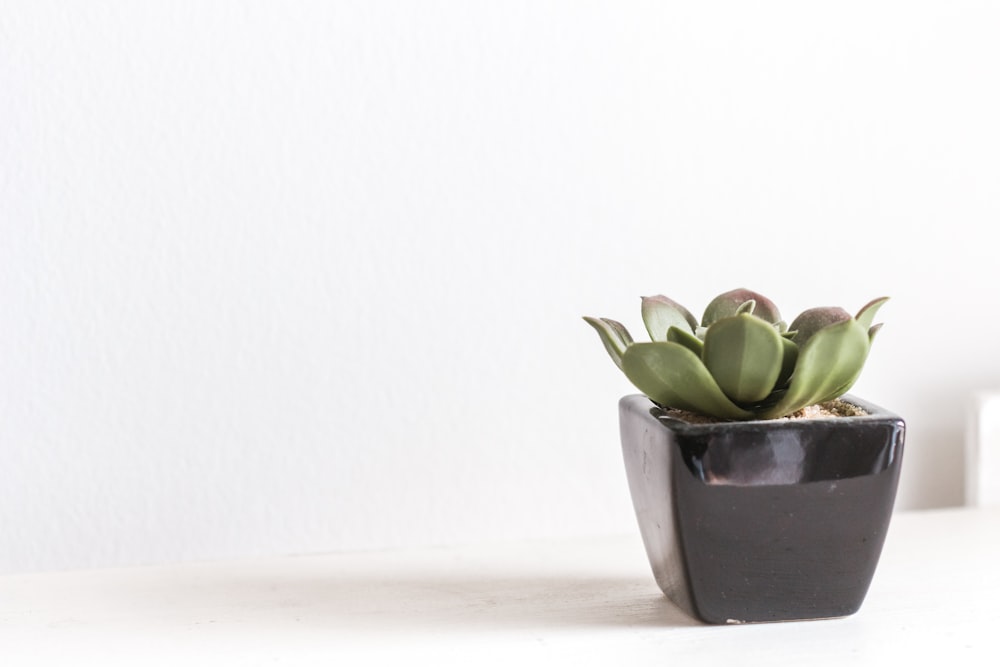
{"x":592,"y":601}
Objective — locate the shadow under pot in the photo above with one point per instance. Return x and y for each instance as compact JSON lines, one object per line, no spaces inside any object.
{"x":762,"y":521}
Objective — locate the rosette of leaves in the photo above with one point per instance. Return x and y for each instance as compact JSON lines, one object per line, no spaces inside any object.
{"x":742,"y":361}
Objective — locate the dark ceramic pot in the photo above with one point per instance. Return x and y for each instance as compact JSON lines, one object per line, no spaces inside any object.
{"x":762,"y":520}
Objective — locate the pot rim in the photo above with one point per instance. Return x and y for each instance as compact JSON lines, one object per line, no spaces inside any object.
{"x":875,"y":412}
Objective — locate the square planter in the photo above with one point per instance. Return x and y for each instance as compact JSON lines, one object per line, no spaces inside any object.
{"x":762,"y":520}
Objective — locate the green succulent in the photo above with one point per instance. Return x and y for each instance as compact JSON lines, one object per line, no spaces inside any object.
{"x":742,"y":361}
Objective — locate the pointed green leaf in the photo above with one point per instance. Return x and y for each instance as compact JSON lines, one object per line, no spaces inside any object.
{"x":867,"y":312}
{"x":685,"y":338}
{"x":744,"y":354}
{"x":728,"y":304}
{"x":614,"y":335}
{"x":789,"y":355}
{"x":829,"y":363}
{"x":874,"y":330}
{"x":810,"y":321}
{"x":659,"y":313}
{"x":674,"y":376}
{"x":623,"y":334}
{"x":836,"y":392}
{"x":746,"y":307}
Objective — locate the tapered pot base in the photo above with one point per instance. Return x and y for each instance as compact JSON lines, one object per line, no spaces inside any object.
{"x":747,"y":522}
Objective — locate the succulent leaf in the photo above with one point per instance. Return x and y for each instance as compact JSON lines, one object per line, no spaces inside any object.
{"x":874,"y":330}
{"x":829,"y":363}
{"x":685,"y":338}
{"x":659,"y":313}
{"x":672,"y":375}
{"x":868,"y":311}
{"x":744,"y":354}
{"x":623,"y":334}
{"x":835,"y":393}
{"x":814,"y":319}
{"x":789,"y":355}
{"x":614,"y":335}
{"x":729,"y":303}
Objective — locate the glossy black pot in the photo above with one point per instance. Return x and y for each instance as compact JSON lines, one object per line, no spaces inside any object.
{"x":762,"y":520}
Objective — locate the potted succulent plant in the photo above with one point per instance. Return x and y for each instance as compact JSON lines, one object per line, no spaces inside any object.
{"x":762,"y":491}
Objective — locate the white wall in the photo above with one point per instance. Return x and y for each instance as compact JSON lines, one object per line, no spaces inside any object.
{"x":290,"y":277}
